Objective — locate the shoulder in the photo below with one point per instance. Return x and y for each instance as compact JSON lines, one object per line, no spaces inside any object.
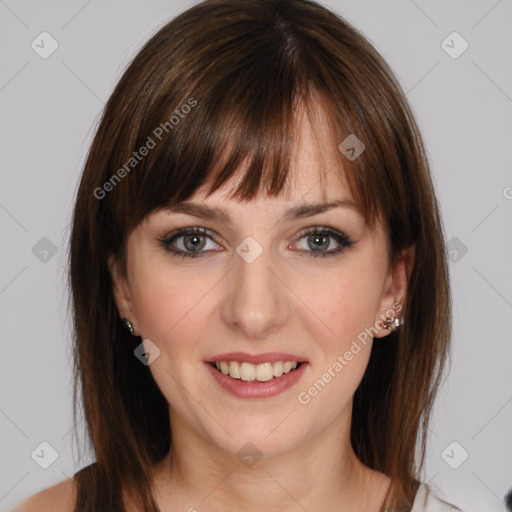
{"x":429,"y":499}
{"x":61,"y":497}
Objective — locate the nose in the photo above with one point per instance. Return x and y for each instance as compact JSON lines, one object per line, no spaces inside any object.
{"x":257,"y":298}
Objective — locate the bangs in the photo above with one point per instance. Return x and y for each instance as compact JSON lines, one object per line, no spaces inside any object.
{"x":239,"y":117}
{"x":250,"y":139}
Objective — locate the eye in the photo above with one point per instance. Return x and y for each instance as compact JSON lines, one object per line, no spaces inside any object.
{"x":193,"y":240}
{"x":319,"y":239}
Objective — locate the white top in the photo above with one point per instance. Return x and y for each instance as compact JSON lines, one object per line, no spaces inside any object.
{"x":427,"y":501}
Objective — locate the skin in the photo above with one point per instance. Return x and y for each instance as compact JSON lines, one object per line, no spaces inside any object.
{"x":285,"y":301}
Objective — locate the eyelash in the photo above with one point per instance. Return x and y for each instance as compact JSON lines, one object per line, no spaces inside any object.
{"x":344,"y":241}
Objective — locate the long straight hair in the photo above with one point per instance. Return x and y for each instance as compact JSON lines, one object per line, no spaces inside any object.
{"x":221,"y":83}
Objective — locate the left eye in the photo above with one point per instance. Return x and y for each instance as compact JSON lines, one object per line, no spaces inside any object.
{"x":319,"y":239}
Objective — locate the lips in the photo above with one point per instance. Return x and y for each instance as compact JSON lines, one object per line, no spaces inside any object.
{"x":255,"y":389}
{"x":267,"y":357}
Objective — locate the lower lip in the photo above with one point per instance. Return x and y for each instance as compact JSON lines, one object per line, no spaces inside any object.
{"x":256,"y":389}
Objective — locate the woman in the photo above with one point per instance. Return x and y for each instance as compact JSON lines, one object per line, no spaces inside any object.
{"x":258,"y":274}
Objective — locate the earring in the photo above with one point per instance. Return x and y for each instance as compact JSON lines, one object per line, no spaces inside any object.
{"x":393,"y":323}
{"x":128,"y":326}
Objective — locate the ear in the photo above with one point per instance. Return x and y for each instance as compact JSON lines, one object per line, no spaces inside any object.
{"x":395,"y":289}
{"x":122,"y":293}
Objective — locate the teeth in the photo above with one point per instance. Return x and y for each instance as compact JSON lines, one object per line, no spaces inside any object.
{"x":278,"y":369}
{"x":247,"y":371}
{"x":234,"y":370}
{"x":264,"y":372}
{"x":250,"y":372}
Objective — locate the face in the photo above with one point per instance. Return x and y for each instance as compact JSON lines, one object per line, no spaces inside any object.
{"x":263,"y":283}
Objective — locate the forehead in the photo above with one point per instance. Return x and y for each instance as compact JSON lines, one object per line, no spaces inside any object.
{"x":316,"y":172}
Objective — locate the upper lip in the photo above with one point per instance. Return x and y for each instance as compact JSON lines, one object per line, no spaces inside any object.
{"x":267,"y":357}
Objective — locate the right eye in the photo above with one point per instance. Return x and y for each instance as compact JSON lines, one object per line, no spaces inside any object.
{"x":193,"y":241}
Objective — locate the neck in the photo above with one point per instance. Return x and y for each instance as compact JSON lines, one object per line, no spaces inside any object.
{"x":313,"y":476}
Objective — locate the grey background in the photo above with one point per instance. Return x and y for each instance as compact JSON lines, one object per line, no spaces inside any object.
{"x":49,"y":109}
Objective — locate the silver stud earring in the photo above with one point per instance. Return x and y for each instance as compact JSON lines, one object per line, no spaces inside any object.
{"x":393,"y":323}
{"x":128,"y":326}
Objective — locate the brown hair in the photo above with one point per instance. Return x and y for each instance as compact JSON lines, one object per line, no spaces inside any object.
{"x":242,"y":67}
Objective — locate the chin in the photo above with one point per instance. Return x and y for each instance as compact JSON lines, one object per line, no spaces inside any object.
{"x":268,"y":438}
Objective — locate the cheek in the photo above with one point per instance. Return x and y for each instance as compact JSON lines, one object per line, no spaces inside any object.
{"x":344,"y":305}
{"x":344,"y":302}
{"x":170,"y":303}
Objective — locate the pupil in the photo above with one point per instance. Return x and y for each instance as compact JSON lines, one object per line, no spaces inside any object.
{"x":195,"y":240}
{"x":316,"y":238}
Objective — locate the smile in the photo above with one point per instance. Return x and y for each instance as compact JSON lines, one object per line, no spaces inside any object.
{"x":256,"y":381}
{"x":255,"y":372}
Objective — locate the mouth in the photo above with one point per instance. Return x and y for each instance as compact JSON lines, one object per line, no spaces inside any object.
{"x":264,"y":380}
{"x":263,"y":372}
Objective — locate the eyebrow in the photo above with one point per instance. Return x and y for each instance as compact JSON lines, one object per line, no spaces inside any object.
{"x":298,"y":212}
